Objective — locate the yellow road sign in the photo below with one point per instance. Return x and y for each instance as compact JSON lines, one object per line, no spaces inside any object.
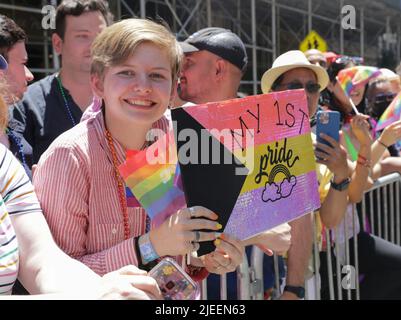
{"x":313,"y":41}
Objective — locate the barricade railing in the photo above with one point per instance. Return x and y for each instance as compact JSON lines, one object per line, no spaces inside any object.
{"x":380,"y":215}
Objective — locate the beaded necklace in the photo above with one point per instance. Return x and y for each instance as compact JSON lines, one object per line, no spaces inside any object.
{"x":19,"y":145}
{"x":120,"y":185}
{"x":121,"y":189}
{"x":67,"y":107}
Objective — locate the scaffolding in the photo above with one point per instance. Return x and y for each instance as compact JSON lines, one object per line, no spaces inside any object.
{"x":267,"y":27}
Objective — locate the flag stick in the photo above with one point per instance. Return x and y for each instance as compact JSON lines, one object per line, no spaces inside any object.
{"x":353,"y":106}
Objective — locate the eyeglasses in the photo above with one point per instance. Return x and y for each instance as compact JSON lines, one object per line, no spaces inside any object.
{"x":310,"y":87}
{"x":384,"y":98}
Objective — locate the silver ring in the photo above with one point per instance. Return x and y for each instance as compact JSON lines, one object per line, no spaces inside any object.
{"x":197,"y":236}
{"x":192,"y":212}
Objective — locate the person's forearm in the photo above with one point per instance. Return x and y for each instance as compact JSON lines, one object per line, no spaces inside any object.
{"x":333,"y":207}
{"x":377,"y":151}
{"x":359,"y":181}
{"x":300,"y":250}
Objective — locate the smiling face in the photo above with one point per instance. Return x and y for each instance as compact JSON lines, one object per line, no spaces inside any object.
{"x":138,"y":90}
{"x":357,"y":95}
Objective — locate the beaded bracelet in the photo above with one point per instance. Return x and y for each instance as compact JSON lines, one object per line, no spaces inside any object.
{"x":364,"y":162}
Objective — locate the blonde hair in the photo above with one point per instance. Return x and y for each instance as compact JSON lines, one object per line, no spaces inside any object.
{"x":117,"y":42}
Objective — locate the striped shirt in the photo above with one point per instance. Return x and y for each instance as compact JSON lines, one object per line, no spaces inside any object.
{"x":16,"y":197}
{"x":78,"y":192}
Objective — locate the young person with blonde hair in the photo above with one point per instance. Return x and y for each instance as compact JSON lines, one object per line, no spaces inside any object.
{"x":29,"y":253}
{"x":135,"y":64}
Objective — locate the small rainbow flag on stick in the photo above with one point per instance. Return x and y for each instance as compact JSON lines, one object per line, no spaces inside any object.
{"x":354,"y":77}
{"x":391,"y":114}
{"x":153,"y":177}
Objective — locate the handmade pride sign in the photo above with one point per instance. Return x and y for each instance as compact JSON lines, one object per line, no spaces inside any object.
{"x":152,"y":177}
{"x":391,"y":114}
{"x":271,"y":178}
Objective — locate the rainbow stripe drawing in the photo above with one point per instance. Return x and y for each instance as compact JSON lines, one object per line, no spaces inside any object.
{"x":271,"y":178}
{"x":391,"y":114}
{"x":153,"y":179}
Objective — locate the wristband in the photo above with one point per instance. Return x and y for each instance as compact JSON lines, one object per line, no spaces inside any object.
{"x":384,"y":145}
{"x":148,"y":253}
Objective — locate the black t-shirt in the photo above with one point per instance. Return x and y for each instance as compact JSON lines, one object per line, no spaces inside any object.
{"x":42,"y":114}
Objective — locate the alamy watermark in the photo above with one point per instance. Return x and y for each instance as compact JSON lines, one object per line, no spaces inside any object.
{"x":348,"y":282}
{"x":205,"y":147}
{"x":348,"y":20}
{"x":49,"y":17}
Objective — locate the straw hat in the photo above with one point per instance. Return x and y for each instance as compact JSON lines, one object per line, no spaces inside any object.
{"x":288,"y":61}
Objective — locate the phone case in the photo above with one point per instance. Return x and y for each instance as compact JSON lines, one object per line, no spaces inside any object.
{"x":328,"y":122}
{"x":174,"y":283}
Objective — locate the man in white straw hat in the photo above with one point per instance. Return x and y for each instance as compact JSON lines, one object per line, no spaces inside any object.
{"x":290,"y":71}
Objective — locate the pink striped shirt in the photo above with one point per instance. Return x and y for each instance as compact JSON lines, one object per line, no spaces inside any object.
{"x":78,"y":192}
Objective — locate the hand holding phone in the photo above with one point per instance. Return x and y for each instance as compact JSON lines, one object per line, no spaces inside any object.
{"x":173,"y":281}
{"x":328,"y":122}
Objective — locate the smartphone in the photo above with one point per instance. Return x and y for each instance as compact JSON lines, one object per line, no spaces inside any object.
{"x":328,"y":122}
{"x":173,"y":281}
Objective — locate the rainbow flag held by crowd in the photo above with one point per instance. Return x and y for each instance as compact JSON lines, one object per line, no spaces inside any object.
{"x":391,"y":114}
{"x":354,"y":77}
{"x":153,"y":178}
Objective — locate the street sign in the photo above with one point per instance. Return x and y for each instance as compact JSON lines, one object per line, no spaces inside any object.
{"x":313,"y":41}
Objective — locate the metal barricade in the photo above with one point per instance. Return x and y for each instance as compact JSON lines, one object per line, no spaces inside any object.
{"x":384,"y":221}
{"x":380,"y":214}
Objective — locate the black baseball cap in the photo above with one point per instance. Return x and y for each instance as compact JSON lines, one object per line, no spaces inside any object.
{"x":3,"y":63}
{"x":222,"y":42}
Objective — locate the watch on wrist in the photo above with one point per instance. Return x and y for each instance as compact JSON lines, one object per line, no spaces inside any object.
{"x":148,"y":253}
{"x":298,"y":291}
{"x":343,"y":185}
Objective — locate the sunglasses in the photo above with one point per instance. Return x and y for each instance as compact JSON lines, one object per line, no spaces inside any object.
{"x":346,"y":59}
{"x":310,"y":87}
{"x":384,"y":98}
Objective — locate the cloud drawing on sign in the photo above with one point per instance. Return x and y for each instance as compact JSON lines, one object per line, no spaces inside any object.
{"x":273,"y":192}
{"x":287,"y":185}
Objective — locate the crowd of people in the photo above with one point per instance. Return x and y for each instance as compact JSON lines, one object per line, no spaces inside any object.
{"x":66,"y":229}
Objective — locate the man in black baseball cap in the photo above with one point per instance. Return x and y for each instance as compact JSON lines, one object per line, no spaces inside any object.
{"x":215,"y":60}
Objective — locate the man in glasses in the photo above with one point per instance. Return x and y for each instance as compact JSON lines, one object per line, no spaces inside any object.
{"x":292,"y":71}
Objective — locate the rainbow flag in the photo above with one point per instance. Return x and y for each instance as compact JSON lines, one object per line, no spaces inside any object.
{"x":391,"y":114}
{"x":354,"y":77}
{"x":153,"y":179}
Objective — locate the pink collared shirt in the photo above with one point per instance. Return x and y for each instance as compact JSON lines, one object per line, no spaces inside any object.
{"x":78,"y":192}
